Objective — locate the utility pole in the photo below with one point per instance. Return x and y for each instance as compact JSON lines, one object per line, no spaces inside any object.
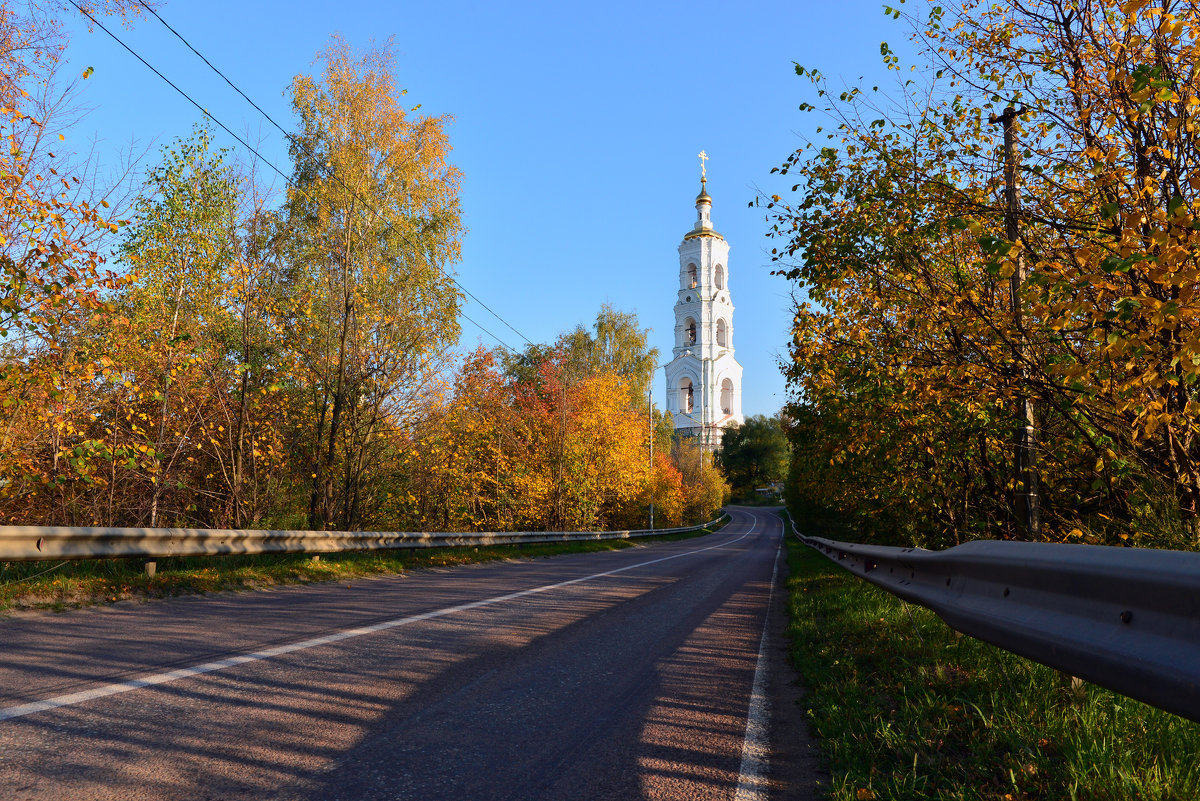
{"x":650,"y":420}
{"x":1025,"y":435}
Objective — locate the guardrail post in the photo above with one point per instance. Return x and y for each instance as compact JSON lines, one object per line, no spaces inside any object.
{"x":151,"y":567}
{"x":1076,"y":687}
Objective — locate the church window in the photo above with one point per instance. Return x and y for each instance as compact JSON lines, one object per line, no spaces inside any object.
{"x":720,"y":277}
{"x":691,"y":276}
{"x":686,"y":396}
{"x":721,"y":335}
{"x":689,"y":331}
{"x":726,"y":396}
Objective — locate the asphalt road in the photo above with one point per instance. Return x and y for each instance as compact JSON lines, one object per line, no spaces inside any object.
{"x":615,"y":675}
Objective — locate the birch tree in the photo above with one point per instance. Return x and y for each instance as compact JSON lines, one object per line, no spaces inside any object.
{"x":373,"y":214}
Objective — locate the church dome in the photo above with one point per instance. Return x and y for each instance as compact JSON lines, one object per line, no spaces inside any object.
{"x":703,"y":224}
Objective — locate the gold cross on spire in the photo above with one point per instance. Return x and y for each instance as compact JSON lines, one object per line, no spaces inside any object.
{"x":703,"y":158}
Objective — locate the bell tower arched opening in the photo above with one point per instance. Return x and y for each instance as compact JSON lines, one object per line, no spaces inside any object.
{"x":687,"y":399}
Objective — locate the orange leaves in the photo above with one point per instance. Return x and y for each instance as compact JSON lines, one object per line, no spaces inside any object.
{"x":50,"y":290}
{"x":544,"y":445}
{"x":667,"y":492}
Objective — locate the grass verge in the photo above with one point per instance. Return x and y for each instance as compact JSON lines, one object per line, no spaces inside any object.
{"x":42,"y":585}
{"x":905,"y":708}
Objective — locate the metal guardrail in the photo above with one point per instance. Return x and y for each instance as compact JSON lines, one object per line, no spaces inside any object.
{"x":35,"y":543}
{"x":1124,"y":618}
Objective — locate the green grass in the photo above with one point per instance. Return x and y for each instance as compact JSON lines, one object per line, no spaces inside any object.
{"x":49,"y":585}
{"x":905,"y":708}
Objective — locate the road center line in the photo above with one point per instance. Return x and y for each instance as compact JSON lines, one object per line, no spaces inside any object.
{"x":153,"y":679}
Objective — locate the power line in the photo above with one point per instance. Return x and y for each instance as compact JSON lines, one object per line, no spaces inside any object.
{"x":271,"y":164}
{"x":489,"y":333}
{"x":232,"y":85}
{"x":298,"y":143}
{"x":201,"y":108}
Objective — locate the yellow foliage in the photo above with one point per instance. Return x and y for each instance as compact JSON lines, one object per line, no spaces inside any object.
{"x":910,"y":355}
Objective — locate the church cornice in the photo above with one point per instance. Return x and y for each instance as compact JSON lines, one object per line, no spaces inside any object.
{"x":686,"y":353}
{"x":707,"y":232}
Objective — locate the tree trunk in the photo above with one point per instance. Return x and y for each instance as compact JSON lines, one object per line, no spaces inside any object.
{"x":162,"y":420}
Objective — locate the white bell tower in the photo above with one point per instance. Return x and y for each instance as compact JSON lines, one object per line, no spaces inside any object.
{"x":704,"y":381}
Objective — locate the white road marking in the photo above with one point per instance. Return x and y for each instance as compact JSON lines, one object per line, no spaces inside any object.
{"x":752,"y":777}
{"x":153,"y":679}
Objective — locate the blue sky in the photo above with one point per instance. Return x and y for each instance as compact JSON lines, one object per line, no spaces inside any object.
{"x":576,"y":126}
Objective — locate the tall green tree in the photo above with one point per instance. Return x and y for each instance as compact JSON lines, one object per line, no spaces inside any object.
{"x":179,"y":249}
{"x":617,"y":343}
{"x":753,"y":454}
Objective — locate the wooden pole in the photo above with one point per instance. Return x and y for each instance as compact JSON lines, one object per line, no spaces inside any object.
{"x":1025,"y":444}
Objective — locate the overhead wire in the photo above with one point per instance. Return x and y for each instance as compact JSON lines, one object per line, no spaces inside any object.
{"x":300,"y":144}
{"x":287,"y":179}
{"x":503,"y":344}
{"x":188,"y":97}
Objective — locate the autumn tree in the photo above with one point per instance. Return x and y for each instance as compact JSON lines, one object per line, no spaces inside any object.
{"x":201,"y":340}
{"x":665,"y":491}
{"x":553,"y":451}
{"x":616,"y":343}
{"x":374,"y":219}
{"x":250,"y":454}
{"x":704,"y":489}
{"x":917,"y":343}
{"x":597,"y":443}
{"x":467,"y":466}
{"x":33,"y":40}
{"x":53,"y":279}
{"x":180,"y":251}
{"x":600,"y":456}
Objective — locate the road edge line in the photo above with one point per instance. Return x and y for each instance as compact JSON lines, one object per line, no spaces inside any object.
{"x":752,"y":774}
